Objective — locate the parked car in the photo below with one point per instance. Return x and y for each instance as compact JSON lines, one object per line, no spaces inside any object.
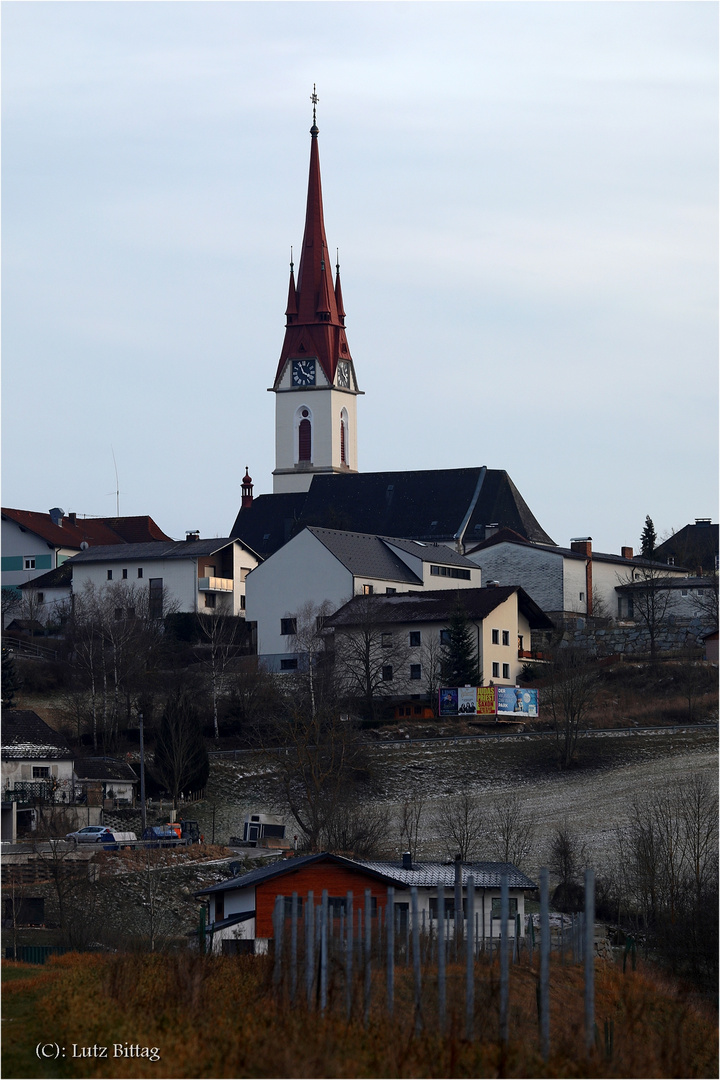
{"x":91,"y":834}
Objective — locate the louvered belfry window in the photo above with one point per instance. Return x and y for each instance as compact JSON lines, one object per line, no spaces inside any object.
{"x":305,"y":438}
{"x":343,"y":457}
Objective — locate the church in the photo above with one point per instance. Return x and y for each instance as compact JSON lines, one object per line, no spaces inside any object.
{"x":316,"y":481}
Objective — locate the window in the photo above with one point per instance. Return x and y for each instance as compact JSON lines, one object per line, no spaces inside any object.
{"x":109,"y":575}
{"x":416,"y":671}
{"x":444,"y":637}
{"x":582,"y":595}
{"x":41,"y":598}
{"x":288,"y":665}
{"x":496,"y":637}
{"x":210,"y":599}
{"x":219,"y":906}
{"x":389,"y":591}
{"x":40,"y":772}
{"x":496,"y":671}
{"x":155,"y":605}
{"x":506,"y":637}
{"x":506,"y":671}
{"x":414,"y":639}
{"x":124,"y":575}
{"x":387,"y":673}
{"x":244,"y":571}
{"x":131,"y":613}
{"x":320,"y":622}
{"x":118,"y":613}
{"x":343,"y":450}
{"x":242,"y":602}
{"x":450,"y":571}
{"x":305,"y":437}
{"x":520,"y":643}
{"x":288,"y":906}
{"x":386,"y":639}
{"x":139,"y":571}
{"x":496,"y":907}
{"x":368,"y":590}
{"x":29,"y":562}
{"x":288,"y":626}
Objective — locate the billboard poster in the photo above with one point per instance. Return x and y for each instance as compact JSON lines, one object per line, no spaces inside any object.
{"x":486,"y":700}
{"x":448,"y":702}
{"x":467,"y":700}
{"x":514,"y":701}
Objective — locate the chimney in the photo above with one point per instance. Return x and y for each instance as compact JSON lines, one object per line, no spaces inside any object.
{"x":492,"y":585}
{"x":407,"y":861}
{"x":192,"y":535}
{"x":72,"y":516}
{"x":583,"y":546}
{"x":626,"y":552}
{"x":247,"y":491}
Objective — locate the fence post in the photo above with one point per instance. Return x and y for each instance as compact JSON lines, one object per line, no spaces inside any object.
{"x":544,"y":963}
{"x":470,"y":960}
{"x":349,"y":923}
{"x":309,"y":947}
{"x":390,"y":933}
{"x":278,"y":920}
{"x":323,"y":950}
{"x":458,"y":903}
{"x":293,"y":945}
{"x":504,"y":972}
{"x":589,"y":960}
{"x":416,"y":956}
{"x":441,"y":956}
{"x":368,"y":950}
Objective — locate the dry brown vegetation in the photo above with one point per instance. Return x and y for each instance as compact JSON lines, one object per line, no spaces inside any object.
{"x":219,"y":1017}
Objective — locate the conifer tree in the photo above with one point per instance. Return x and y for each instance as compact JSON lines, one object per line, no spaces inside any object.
{"x":460,"y":661}
{"x":648,"y":540}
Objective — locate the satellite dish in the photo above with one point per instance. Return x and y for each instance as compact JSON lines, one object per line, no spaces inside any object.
{"x":84,"y":546}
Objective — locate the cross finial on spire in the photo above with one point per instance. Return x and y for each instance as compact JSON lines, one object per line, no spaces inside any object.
{"x":337,"y":260}
{"x":292,"y":266}
{"x":314,"y":98}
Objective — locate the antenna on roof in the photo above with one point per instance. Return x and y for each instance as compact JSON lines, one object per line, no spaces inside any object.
{"x":117,"y":486}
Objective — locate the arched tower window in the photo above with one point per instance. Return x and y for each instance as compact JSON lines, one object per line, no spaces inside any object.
{"x":305,"y":436}
{"x":344,"y":437}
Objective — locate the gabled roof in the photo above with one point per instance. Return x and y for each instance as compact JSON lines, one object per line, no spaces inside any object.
{"x":486,"y":874}
{"x":432,"y":505}
{"x":26,"y":736}
{"x":365,"y":555}
{"x":58,"y":578}
{"x":173,"y":549}
{"x":100,"y":768}
{"x":694,"y":546}
{"x":664,"y":581}
{"x":75,"y":531}
{"x":438,"y":605}
{"x":430,"y":552}
{"x":508,"y":536}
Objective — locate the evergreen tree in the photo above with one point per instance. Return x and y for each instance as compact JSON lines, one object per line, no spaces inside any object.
{"x":181,"y":758}
{"x":648,"y":540}
{"x":459,"y":661}
{"x":10,"y":681}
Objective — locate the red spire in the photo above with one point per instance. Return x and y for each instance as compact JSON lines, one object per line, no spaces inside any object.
{"x":314,"y":317}
{"x":247,"y":490}
{"x":338,"y":293}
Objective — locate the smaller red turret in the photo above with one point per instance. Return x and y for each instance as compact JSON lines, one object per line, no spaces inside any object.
{"x":247,"y":490}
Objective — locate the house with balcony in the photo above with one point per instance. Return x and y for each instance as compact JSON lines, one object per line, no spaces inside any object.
{"x":192,"y":575}
{"x":240,"y":910}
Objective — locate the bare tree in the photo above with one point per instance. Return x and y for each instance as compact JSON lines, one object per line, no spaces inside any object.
{"x":223,"y":633}
{"x":707,"y":599}
{"x":510,"y":829}
{"x":567,"y":857}
{"x":412,"y":810}
{"x":369,"y":653}
{"x":460,"y":821}
{"x":432,"y":656}
{"x":570,"y":694}
{"x":181,"y":760}
{"x":649,"y":587}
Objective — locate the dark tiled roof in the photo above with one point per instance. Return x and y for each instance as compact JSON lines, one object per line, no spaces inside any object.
{"x":173,"y":549}
{"x":660,"y":581}
{"x":508,"y":536}
{"x":434,"y":504}
{"x":104,"y":769}
{"x":694,"y":546}
{"x":365,"y":555}
{"x":430,"y":552}
{"x":92,"y":531}
{"x":26,"y":735}
{"x":438,"y":605}
{"x":486,"y":874}
{"x":54,"y":579}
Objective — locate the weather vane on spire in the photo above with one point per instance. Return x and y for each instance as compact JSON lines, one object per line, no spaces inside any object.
{"x":314,"y":98}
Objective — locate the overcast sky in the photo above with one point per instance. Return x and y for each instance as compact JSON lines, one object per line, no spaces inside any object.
{"x":524,"y":196}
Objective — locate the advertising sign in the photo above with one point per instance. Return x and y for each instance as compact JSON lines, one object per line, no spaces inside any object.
{"x":514,"y":701}
{"x":467,"y":700}
{"x":448,"y":702}
{"x":486,"y":700}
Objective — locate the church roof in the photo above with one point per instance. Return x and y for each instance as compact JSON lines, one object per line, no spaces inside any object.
{"x":429,"y":505}
{"x":315,"y":317}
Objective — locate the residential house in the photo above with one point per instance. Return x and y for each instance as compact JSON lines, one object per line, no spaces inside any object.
{"x":695,"y":546}
{"x":502,"y":618}
{"x":240,"y":910}
{"x":33,"y":543}
{"x":48,"y":596}
{"x":191,"y":575}
{"x":563,"y":581}
{"x":37,"y":764}
{"x":322,"y":568}
{"x":683,"y":597}
{"x":106,"y":782}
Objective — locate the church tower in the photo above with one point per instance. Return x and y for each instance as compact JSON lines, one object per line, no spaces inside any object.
{"x":315,"y":386}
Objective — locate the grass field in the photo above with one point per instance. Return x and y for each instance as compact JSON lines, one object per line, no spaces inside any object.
{"x":219,"y":1017}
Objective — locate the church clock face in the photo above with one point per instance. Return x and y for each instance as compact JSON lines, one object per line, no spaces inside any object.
{"x":343,"y":374}
{"x":303,"y":372}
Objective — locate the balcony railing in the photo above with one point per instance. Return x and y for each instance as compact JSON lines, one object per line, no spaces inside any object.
{"x":215,"y":584}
